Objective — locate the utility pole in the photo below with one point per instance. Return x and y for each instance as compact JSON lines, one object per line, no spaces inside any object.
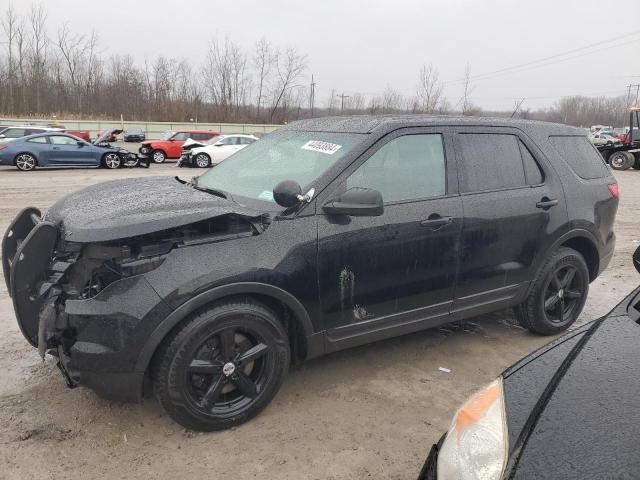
{"x":312,"y":95}
{"x":342,"y":98}
{"x":517,"y":107}
{"x":631,"y":101}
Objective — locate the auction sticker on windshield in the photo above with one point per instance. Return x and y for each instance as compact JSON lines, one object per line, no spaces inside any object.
{"x":322,"y":147}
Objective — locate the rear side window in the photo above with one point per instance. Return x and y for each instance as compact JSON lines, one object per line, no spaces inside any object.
{"x":38,"y":140}
{"x":532,"y":171}
{"x":491,"y":162}
{"x":581,"y":155}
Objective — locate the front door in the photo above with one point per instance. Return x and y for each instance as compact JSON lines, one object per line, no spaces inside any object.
{"x":65,"y":150}
{"x":514,"y":207}
{"x":395,"y":273}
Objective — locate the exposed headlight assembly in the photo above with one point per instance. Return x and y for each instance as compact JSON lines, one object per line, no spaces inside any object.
{"x":476,"y":445}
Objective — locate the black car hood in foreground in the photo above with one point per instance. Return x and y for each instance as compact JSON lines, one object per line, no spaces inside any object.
{"x":136,"y":206}
{"x":573,"y":409}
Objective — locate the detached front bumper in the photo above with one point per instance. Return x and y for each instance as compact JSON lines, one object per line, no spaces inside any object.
{"x":145,"y":150}
{"x":97,"y":340}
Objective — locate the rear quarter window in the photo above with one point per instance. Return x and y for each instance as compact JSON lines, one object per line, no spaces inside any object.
{"x":581,"y":156}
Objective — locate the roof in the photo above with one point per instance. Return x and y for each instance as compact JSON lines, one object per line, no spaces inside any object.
{"x":371,"y":123}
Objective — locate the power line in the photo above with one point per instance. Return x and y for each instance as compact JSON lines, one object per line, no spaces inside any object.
{"x":551,"y":57}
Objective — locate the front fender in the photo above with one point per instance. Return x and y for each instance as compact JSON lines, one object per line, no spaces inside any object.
{"x":243,"y":288}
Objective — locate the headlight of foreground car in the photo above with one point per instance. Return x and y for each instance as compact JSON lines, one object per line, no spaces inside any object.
{"x":475,"y":447}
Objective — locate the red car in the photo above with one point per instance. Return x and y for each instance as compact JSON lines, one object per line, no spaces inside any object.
{"x":170,"y":146}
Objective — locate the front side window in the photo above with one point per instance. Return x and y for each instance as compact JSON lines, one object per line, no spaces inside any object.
{"x":63,"y":140}
{"x":303,"y":157}
{"x":406,"y":168}
{"x":182,"y":136}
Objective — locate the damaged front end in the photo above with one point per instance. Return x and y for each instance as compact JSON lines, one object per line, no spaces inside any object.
{"x":80,"y":301}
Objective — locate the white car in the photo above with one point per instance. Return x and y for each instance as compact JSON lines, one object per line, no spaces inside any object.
{"x":214,"y":151}
{"x":603,"y":139}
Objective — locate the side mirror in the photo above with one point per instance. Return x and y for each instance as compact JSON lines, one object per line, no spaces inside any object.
{"x":80,"y":144}
{"x":2,"y":136}
{"x":287,"y":193}
{"x":357,"y":202}
{"x":172,"y":139}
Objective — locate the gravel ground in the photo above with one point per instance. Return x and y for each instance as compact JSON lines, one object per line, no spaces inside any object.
{"x":369,"y":412}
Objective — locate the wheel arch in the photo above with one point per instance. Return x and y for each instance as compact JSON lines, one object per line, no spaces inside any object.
{"x":34,"y":155}
{"x":585,"y":243}
{"x":299,"y":325}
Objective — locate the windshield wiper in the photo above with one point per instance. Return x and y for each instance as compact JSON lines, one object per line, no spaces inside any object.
{"x":213,"y":191}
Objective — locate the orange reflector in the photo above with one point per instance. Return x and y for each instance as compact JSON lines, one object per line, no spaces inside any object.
{"x":613,"y":188}
{"x":476,"y":407}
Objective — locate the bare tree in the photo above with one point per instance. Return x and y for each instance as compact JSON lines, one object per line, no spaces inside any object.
{"x":465,"y":102}
{"x":10,"y":26}
{"x":429,"y":89}
{"x":290,"y":67}
{"x":39,"y":50}
{"x":263,"y":61}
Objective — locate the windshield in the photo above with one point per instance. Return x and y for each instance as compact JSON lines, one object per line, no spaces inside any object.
{"x":286,"y":155}
{"x":167,"y":135}
{"x":213,"y":139}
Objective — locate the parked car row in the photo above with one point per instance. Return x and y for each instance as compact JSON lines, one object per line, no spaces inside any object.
{"x":213,"y":151}
{"x":56,"y":148}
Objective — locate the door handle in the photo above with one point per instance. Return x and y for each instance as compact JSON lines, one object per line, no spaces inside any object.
{"x":55,"y":148}
{"x":436,"y":220}
{"x":545,"y":203}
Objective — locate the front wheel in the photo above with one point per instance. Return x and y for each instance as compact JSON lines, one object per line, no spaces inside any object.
{"x":203,"y":160}
{"x":159,"y":156}
{"x":222,"y":366}
{"x":111,"y":160}
{"x":557,"y":295}
{"x":621,"y":160}
{"x":26,"y":162}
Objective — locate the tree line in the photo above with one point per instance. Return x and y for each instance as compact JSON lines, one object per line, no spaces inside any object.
{"x":46,"y":72}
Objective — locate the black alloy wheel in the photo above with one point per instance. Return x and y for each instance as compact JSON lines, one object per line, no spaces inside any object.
{"x":222,"y":366}
{"x":564,"y":293}
{"x":557,"y":295}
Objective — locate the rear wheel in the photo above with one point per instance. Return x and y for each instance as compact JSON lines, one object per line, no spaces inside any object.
{"x":621,"y":160}
{"x":159,"y":156}
{"x":203,"y":160}
{"x":557,"y":295}
{"x":222,"y":367}
{"x":111,"y":160}
{"x":26,"y":162}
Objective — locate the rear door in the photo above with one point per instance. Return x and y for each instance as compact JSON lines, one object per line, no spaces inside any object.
{"x":395,"y":273}
{"x":513,"y":207}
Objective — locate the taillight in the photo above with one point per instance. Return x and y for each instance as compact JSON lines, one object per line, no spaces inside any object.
{"x":2,"y":147}
{"x":613,"y":188}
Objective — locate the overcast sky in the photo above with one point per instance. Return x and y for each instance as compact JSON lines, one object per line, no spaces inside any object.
{"x":361,"y":46}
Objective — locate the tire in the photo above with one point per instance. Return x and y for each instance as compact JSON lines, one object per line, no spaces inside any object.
{"x":158,"y":156}
{"x":111,"y":161}
{"x":25,"y":162}
{"x":198,"y":373}
{"x":202,"y":160}
{"x":621,"y":160}
{"x":550,"y":294}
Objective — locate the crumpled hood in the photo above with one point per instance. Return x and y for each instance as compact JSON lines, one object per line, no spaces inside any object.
{"x":136,"y":206}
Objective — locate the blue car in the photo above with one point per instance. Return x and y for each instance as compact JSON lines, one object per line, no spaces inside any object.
{"x":56,"y":149}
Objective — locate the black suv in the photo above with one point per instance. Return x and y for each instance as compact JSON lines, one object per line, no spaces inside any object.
{"x":205,"y":291}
